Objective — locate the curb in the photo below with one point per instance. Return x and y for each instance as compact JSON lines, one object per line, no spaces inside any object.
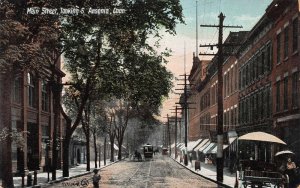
{"x":69,"y":178}
{"x":215,"y":181}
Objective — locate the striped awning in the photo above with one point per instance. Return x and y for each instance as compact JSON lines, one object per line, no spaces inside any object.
{"x":209,"y":148}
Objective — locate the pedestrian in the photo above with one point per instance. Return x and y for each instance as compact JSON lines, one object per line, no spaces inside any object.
{"x":191,"y":158}
{"x":96,"y":178}
{"x":290,"y":165}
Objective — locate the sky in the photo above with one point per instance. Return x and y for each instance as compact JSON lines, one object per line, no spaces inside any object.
{"x":244,"y":13}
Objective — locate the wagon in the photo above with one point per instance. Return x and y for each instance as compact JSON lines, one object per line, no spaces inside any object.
{"x":259,"y":174}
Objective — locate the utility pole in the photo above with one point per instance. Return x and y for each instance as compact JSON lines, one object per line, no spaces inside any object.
{"x":185,"y":105}
{"x":220,"y":54}
{"x":169,"y":136}
{"x":176,"y":109}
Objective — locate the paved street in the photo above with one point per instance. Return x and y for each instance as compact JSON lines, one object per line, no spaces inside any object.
{"x":162,"y":171}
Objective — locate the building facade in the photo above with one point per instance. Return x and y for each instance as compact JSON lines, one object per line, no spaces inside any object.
{"x":260,"y":83}
{"x":32,"y":120}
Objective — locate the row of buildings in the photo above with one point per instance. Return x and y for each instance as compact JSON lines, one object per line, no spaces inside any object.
{"x":261,"y":83}
{"x":27,"y":114}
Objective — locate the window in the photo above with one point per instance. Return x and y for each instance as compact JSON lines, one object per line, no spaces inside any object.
{"x":251,"y":70}
{"x":278,"y":48}
{"x":295,"y":90}
{"x":285,"y":93}
{"x":286,"y":42}
{"x":259,"y":64}
{"x":224,"y":86}
{"x":269,"y":101}
{"x":277,"y":96}
{"x":255,"y":61}
{"x":45,"y":131}
{"x":236,"y":78}
{"x":31,"y":90}
{"x":295,"y":34}
{"x":262,"y":62}
{"x":16,"y":94}
{"x":45,"y":97}
{"x":255,"y":105}
{"x":268,"y":58}
{"x":231,"y":81}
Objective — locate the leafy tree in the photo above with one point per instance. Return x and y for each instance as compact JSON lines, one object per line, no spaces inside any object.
{"x":90,"y":67}
{"x":24,"y":42}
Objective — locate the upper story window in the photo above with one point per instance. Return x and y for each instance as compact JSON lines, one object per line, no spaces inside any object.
{"x":286,"y":41}
{"x":45,"y":96}
{"x":32,"y":97}
{"x":16,"y":94}
{"x":285,"y":93}
{"x":295,"y":34}
{"x":277,"y":96}
{"x":278,"y":38}
{"x":295,"y":90}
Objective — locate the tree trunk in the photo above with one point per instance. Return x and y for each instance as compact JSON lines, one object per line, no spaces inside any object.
{"x":6,"y":168}
{"x":99,"y":156}
{"x":66,"y":155}
{"x":56,"y":88}
{"x":112,"y":151}
{"x":104,"y":151}
{"x":86,"y":131}
{"x":120,"y":142}
{"x":95,"y":149}
{"x":88,"y":168}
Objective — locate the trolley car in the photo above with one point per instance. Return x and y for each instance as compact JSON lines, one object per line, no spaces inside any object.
{"x":148,"y":151}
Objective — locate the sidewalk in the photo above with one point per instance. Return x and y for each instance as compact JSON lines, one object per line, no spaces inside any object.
{"x":208,"y":171}
{"x":73,"y":172}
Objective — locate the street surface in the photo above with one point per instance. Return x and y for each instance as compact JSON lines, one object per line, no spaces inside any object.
{"x":162,"y":172}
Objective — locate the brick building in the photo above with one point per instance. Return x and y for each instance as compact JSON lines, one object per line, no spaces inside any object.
{"x":204,"y":94}
{"x":261,"y":83}
{"x":197,"y":75}
{"x":285,"y":75}
{"x":32,"y":115}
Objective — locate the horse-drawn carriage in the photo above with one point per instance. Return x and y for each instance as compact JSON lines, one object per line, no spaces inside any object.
{"x":260,"y":174}
{"x":255,"y":173}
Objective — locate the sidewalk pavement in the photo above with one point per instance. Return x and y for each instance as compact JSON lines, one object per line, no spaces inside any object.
{"x":208,"y":171}
{"x":42,"y":178}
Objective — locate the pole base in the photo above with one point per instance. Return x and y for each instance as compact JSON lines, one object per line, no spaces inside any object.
{"x":220,"y":165}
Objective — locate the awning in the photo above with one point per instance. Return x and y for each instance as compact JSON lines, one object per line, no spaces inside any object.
{"x":209,"y":148}
{"x":191,"y":145}
{"x":261,"y":136}
{"x":197,"y":143}
{"x":204,"y":146}
{"x":179,"y":144}
{"x":201,"y":144}
{"x":214,"y":150}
